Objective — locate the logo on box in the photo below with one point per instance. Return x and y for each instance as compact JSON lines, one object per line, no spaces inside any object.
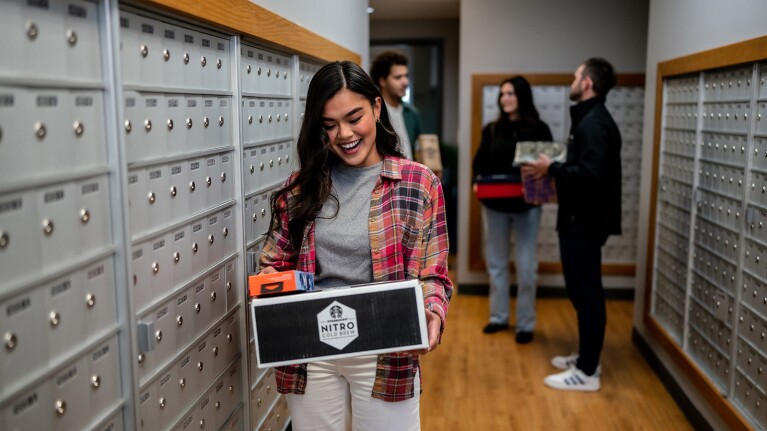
{"x":337,"y":325}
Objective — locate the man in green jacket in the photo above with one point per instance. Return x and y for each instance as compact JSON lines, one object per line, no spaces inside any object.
{"x":389,"y":71}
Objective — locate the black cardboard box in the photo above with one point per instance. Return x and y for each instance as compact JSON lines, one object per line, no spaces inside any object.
{"x":339,"y":323}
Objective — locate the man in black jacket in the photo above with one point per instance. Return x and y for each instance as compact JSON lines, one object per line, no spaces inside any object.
{"x":589,"y":194}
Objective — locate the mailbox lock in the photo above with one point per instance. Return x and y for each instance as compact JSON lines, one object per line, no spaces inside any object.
{"x":179,"y":320}
{"x":279,"y":117}
{"x":269,"y":117}
{"x":218,"y":64}
{"x":211,"y":238}
{"x":205,"y":121}
{"x":55,"y":318}
{"x":192,"y":186}
{"x":286,"y":117}
{"x":194,"y":247}
{"x":261,"y":165}
{"x":223,"y":177}
{"x":215,"y":352}
{"x":158,"y":336}
{"x":186,"y":58}
{"x":95,"y":381}
{"x":258,"y":70}
{"x":188,"y":123}
{"x":32,"y":30}
{"x":255,"y":217}
{"x":85,"y":215}
{"x":260,"y":119}
{"x":271,"y":163}
{"x":170,"y":124}
{"x":248,"y":69}
{"x":231,"y":388}
{"x":10,"y":341}
{"x":208,"y":181}
{"x":197,"y":307}
{"x":155,"y":267}
{"x":277,"y":75}
{"x":250,"y":119}
{"x":203,"y":61}
{"x":285,"y":75}
{"x":226,"y":232}
{"x":218,"y":405}
{"x":71,"y":37}
{"x":144,"y":51}
{"x":228,"y":285}
{"x":4,"y":239}
{"x":229,"y":338}
{"x":61,"y":407}
{"x":182,"y":383}
{"x":263,"y":212}
{"x":47,"y":227}
{"x":279,"y":160}
{"x":173,"y":191}
{"x":128,"y":126}
{"x":141,"y":359}
{"x":166,"y":54}
{"x":269,"y":72}
{"x":162,"y":402}
{"x":90,"y":300}
{"x":212,"y":296}
{"x":202,"y":423}
{"x":200,"y":365}
{"x":220,"y":120}
{"x":40,"y":130}
{"x":79,"y":128}
{"x":252,"y":169}
{"x":148,"y":125}
{"x":151,"y":197}
{"x":176,"y":257}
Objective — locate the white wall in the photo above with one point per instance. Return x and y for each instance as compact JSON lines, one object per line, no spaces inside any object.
{"x":532,"y":36}
{"x":707,"y":24}
{"x":341,"y":21}
{"x":447,"y":31}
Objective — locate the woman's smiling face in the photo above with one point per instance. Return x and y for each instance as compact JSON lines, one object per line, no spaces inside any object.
{"x":349,"y":119}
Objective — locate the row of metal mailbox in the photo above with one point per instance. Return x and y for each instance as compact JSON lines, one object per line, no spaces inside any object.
{"x":306,"y":72}
{"x":710,"y":358}
{"x":51,"y":40}
{"x":753,"y":327}
{"x":162,"y":194}
{"x":679,"y":142}
{"x":166,"y":261}
{"x":154,"y":53}
{"x":673,"y":215}
{"x":726,"y":148}
{"x":729,"y":84}
{"x":54,"y":320}
{"x":719,"y":209}
{"x":719,"y":240}
{"x":750,"y":398}
{"x":678,"y":168}
{"x":716,"y":301}
{"x":77,"y":393}
{"x":720,"y":178}
{"x":681,"y":90}
{"x":161,"y":125}
{"x":713,"y":329}
{"x":46,"y":228}
{"x":631,"y":132}
{"x":258,"y":215}
{"x":168,"y":328}
{"x":681,"y":116}
{"x":673,"y":243}
{"x":754,"y":293}
{"x":716,"y":269}
{"x":672,"y":294}
{"x":49,"y":131}
{"x":752,"y":363}
{"x":194,"y":394}
{"x":671,"y":320}
{"x":671,"y":267}
{"x":266,"y":119}
{"x":267,"y":165}
{"x":728,"y":117}
{"x":265,"y":72}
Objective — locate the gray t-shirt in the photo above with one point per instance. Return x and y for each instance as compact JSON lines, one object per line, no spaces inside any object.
{"x":342,"y":243}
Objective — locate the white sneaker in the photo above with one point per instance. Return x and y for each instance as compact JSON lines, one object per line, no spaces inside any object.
{"x":573,"y":380}
{"x":564,"y":362}
{"x":567,"y":362}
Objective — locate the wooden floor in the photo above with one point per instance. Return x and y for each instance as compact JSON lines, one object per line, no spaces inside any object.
{"x":475,"y":381}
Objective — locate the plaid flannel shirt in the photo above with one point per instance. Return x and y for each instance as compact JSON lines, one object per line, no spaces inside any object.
{"x":408,"y":240}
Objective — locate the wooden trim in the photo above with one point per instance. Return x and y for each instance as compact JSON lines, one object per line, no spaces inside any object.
{"x":478,"y":82}
{"x":245,"y":18}
{"x":702,"y":384}
{"x":753,"y":50}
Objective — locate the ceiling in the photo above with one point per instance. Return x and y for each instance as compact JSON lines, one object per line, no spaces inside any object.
{"x":414,"y":9}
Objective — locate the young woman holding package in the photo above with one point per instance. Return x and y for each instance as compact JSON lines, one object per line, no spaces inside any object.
{"x":518,"y":121}
{"x":358,"y":212}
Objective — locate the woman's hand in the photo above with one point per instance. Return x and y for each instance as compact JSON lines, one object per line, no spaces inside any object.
{"x":267,"y":270}
{"x":433,"y":324}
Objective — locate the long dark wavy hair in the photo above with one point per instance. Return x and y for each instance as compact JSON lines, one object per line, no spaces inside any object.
{"x":315,"y":158}
{"x":527,"y":111}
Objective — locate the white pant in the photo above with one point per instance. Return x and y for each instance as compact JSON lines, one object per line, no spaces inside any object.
{"x":338,"y":398}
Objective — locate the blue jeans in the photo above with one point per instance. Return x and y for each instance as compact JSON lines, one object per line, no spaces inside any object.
{"x":497,"y":231}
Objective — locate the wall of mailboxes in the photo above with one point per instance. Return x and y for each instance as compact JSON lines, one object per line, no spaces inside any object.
{"x":709,"y":286}
{"x":124,"y":244}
